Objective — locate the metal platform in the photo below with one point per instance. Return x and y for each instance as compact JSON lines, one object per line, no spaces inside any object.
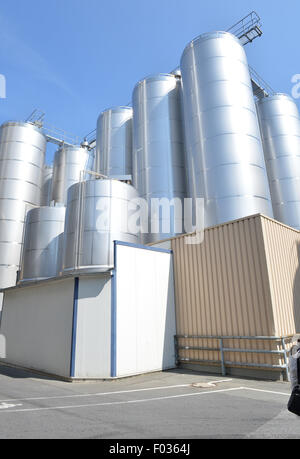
{"x":247,"y":29}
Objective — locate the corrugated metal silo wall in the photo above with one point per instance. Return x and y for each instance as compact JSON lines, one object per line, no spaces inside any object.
{"x":229,"y":285}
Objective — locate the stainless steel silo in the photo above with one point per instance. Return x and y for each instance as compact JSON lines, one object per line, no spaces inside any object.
{"x":98,"y":212}
{"x":22,"y":156}
{"x":280,"y":130}
{"x":47,"y":185}
{"x":158,"y":149}
{"x":43,"y":243}
{"x":69,"y":163}
{"x":225,"y":162}
{"x":114,"y":142}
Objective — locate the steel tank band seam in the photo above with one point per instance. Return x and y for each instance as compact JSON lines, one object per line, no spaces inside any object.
{"x":31,"y":222}
{"x":283,"y":156}
{"x":271,"y":117}
{"x":4,"y":179}
{"x":42,"y":249}
{"x":102,"y":197}
{"x":227,"y":133}
{"x":214,"y":35}
{"x":276,"y":180}
{"x":21,"y":161}
{"x":22,"y":143}
{"x":216,"y":56}
{"x":18,"y":200}
{"x":228,"y":106}
{"x":237,"y":196}
{"x":9,"y":266}
{"x":221,"y":80}
{"x":66,"y":163}
{"x":97,"y":231}
{"x":232,"y":164}
{"x":283,"y":203}
{"x":266,"y":137}
{"x":11,"y":220}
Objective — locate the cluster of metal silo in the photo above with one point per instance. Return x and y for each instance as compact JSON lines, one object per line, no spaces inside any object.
{"x":193,"y":133}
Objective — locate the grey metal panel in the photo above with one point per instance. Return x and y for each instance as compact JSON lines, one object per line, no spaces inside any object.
{"x":69,"y":162}
{"x":22,"y":155}
{"x":225,"y":162}
{"x":97,"y":214}
{"x":47,"y":185}
{"x":114,"y":142}
{"x":280,"y":130}
{"x":43,"y":243}
{"x":158,"y":142}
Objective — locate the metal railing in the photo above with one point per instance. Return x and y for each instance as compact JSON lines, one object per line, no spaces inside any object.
{"x":60,"y":136}
{"x":223,"y":349}
{"x":260,"y":87}
{"x":52,"y":133}
{"x":36,"y":117}
{"x":247,"y":29}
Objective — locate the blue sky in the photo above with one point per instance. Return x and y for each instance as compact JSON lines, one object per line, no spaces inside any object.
{"x":74,"y":58}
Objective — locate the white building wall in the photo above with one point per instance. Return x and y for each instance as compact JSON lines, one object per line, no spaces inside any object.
{"x":145,"y":311}
{"x":98,"y":326}
{"x":36,"y":327}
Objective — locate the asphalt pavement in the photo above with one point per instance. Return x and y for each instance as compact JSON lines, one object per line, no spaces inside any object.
{"x":174,"y":404}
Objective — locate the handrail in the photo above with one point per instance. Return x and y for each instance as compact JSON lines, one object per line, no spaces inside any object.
{"x":260,"y":87}
{"x":222,"y":349}
{"x":245,"y":26}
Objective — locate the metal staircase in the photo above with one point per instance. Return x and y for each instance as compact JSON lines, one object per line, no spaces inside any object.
{"x":260,"y":87}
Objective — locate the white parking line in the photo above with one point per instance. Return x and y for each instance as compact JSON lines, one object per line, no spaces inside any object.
{"x":5,"y":406}
{"x":266,"y":391}
{"x":118,"y":403}
{"x":99,"y":394}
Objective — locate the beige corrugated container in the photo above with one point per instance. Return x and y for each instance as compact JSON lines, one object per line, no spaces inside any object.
{"x":242,"y":280}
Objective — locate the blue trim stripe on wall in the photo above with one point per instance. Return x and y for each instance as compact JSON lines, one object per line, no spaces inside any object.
{"x":113,"y":350}
{"x":74,"y":327}
{"x":113,"y":347}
